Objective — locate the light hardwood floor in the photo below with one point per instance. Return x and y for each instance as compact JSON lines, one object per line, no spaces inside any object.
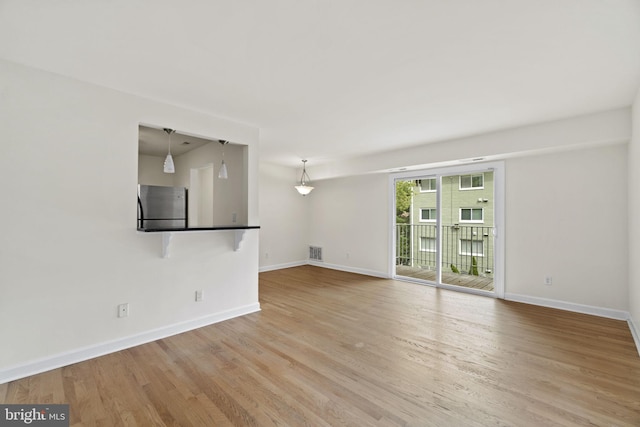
{"x":335,"y":348}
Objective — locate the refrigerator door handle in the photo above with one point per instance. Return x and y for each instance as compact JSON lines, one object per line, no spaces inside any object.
{"x":140,"y":214}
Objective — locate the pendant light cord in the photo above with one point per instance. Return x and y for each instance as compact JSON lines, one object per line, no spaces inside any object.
{"x":169,"y":132}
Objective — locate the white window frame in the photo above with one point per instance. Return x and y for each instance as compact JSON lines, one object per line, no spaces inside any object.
{"x":472,"y":241}
{"x":434,"y":187}
{"x":429,"y":220}
{"x":422,"y":247}
{"x":472,"y":187}
{"x":471,"y":221}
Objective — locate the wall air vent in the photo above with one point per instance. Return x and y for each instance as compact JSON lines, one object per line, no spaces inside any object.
{"x":315,"y":253}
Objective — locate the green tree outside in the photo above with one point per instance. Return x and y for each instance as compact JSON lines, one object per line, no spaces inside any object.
{"x":404,"y":193}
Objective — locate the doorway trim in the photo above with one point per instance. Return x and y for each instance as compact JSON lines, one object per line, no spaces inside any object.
{"x":499,"y":218}
{"x":196,"y":198}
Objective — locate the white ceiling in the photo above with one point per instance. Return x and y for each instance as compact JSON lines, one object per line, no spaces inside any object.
{"x":331,"y":79}
{"x":155,"y":142}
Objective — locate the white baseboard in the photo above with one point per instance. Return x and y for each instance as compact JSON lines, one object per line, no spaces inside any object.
{"x":282,"y":266}
{"x":82,"y":354}
{"x":323,"y":265}
{"x":349,"y":269}
{"x":635,"y":332}
{"x":569,"y":306}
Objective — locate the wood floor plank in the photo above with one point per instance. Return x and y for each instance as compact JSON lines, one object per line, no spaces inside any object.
{"x":334,"y":348}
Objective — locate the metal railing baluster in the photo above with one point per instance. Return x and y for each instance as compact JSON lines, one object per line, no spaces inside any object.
{"x":455,"y":252}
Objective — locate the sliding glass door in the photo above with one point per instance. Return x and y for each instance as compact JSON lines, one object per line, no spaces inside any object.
{"x":446,"y":229}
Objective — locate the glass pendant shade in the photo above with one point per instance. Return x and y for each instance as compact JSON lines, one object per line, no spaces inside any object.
{"x":223,"y":171}
{"x":223,"y":174}
{"x":169,"y":167}
{"x":168,"y":164}
{"x":303,"y":188}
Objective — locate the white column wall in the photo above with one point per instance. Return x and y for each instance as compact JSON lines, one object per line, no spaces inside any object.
{"x":70,"y":252}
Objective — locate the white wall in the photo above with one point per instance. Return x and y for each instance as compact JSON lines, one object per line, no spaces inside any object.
{"x":284,"y":219}
{"x":607,"y":127}
{"x":350,"y":221}
{"x":150,"y":171}
{"x":70,"y":252}
{"x":566,"y":217}
{"x":347,"y":217}
{"x":634,"y":222}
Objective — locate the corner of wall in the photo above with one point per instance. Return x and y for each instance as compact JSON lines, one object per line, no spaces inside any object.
{"x":633,"y":156}
{"x":635,"y":332}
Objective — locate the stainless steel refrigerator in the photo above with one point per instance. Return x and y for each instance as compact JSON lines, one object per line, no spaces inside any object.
{"x":162,"y":208}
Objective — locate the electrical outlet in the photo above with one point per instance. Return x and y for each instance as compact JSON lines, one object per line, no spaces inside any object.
{"x":123,"y":310}
{"x":548,"y":280}
{"x":199,"y":295}
{"x":234,"y":217}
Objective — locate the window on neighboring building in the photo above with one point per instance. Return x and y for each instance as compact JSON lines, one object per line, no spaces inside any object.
{"x":471,"y":247}
{"x":426,"y":185}
{"x":427,"y":244}
{"x":472,"y":182}
{"x":427,"y":215}
{"x":471,"y":215}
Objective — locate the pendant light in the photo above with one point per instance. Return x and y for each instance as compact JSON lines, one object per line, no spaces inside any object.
{"x":303,"y":188}
{"x":168,"y":162}
{"x":223,"y":168}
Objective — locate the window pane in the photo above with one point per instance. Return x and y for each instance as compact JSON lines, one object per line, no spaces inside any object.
{"x":477,"y":247}
{"x":471,"y":214}
{"x":428,"y":184}
{"x":471,"y":181}
{"x":466,"y":247}
{"x":427,"y":244}
{"x":428,"y":214}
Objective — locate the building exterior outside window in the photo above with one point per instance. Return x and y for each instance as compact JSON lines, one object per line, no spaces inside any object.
{"x":467,"y":209}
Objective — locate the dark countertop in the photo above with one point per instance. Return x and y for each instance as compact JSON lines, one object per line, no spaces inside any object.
{"x":214,"y":228}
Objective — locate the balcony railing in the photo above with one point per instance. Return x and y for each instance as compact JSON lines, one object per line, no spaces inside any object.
{"x":466,"y":249}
